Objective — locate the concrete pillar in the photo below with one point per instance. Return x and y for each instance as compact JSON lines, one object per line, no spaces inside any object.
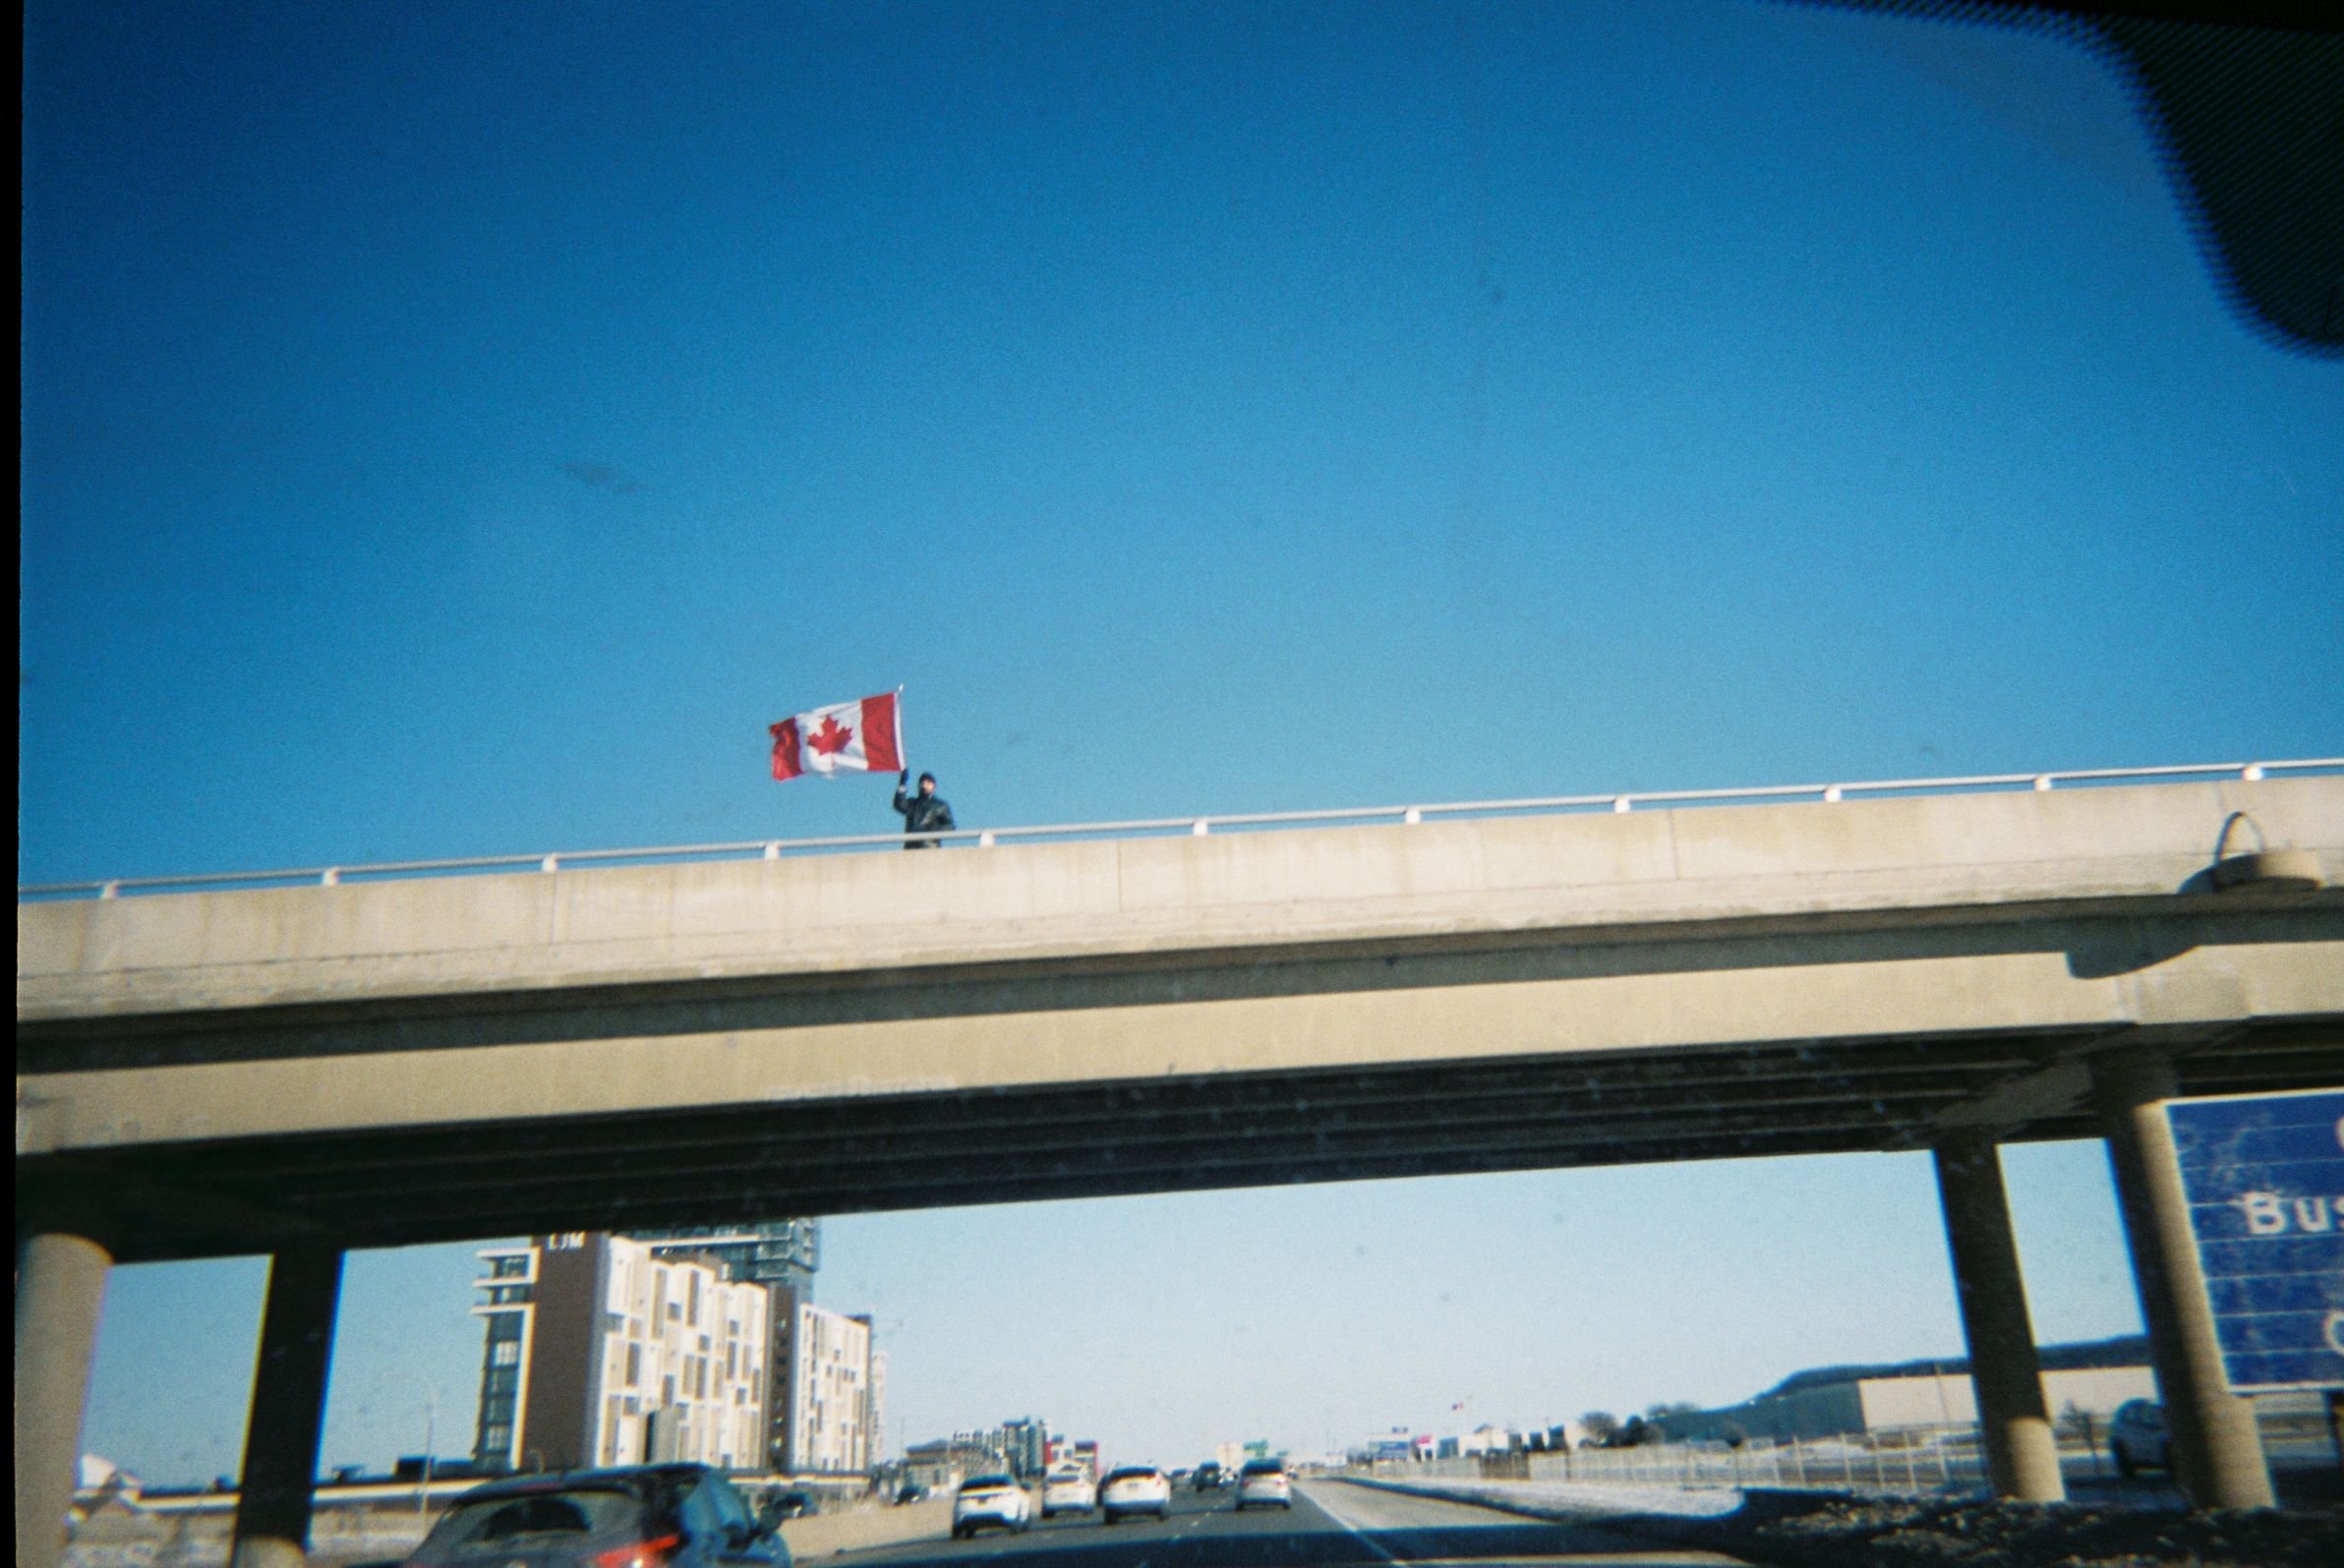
{"x":288,"y":1413}
{"x":2022,"y":1450}
{"x":2218,"y":1454}
{"x":61,"y":1282}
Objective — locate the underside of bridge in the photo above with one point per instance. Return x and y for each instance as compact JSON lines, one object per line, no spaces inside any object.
{"x":305,"y":1071}
{"x":909,"y":1151}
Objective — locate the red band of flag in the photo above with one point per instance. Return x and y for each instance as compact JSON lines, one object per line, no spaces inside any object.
{"x":865,"y":736}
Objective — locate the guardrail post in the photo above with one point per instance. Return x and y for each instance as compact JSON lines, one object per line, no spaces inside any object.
{"x":773,"y":849}
{"x":331,"y":877}
{"x":112,"y":890}
{"x":551,"y":862}
{"x":2042,"y":783}
{"x":1198,"y":829}
{"x":1619,"y":805}
{"x":1831,"y":795}
{"x":984,"y":840}
{"x":2252,"y":773}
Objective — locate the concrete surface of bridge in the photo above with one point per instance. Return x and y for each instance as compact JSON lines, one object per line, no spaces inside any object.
{"x":409,"y":1061}
{"x":300,"y":1071}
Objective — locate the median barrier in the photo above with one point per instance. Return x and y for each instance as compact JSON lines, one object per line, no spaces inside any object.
{"x":864,"y":1528}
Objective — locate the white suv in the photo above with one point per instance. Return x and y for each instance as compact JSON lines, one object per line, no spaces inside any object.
{"x":1069,"y":1491}
{"x":1135,"y":1490}
{"x":1263,"y":1481}
{"x":994,"y":1499}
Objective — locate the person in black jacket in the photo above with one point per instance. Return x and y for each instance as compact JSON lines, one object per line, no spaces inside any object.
{"x":924,"y":812}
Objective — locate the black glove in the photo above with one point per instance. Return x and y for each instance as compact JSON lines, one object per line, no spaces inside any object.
{"x":904,"y":777}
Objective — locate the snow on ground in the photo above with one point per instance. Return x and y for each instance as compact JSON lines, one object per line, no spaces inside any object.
{"x":1826,"y":1530}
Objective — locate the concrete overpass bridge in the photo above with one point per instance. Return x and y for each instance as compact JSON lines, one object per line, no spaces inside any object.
{"x":362,"y":1062}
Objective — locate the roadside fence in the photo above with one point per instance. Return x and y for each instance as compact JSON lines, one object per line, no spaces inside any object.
{"x":1933,"y":1459}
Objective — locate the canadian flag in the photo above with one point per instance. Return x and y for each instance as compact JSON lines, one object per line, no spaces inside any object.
{"x":865,"y":736}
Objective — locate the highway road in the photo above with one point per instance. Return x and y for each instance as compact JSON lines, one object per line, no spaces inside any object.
{"x":1331,"y":1525}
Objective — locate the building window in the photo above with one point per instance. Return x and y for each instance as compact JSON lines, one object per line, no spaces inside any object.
{"x":505,"y":1353}
{"x":634,"y":1365}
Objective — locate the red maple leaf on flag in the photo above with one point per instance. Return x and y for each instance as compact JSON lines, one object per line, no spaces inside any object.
{"x":831,"y":738}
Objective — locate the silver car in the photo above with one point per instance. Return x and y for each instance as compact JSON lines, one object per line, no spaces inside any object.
{"x":1265,"y":1481}
{"x":2138,"y":1438}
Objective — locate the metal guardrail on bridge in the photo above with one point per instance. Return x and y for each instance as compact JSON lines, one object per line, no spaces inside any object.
{"x":1199,"y":826}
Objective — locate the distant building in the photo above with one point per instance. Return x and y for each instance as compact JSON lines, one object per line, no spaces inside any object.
{"x":779,"y":1254}
{"x":822,"y":1389}
{"x":1025,"y":1443}
{"x":931,"y":1467}
{"x":768,"y":1252}
{"x":598,"y":1351}
{"x":1489,"y":1439}
{"x":1019,"y":1446}
{"x":1825,"y":1402}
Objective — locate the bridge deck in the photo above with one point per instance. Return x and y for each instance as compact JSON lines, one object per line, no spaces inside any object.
{"x":423,"y":1060}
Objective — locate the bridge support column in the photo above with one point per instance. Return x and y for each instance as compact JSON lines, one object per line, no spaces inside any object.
{"x":2022,"y":1450}
{"x":289,"y":1412}
{"x":2218,"y":1454}
{"x":61,"y":1283}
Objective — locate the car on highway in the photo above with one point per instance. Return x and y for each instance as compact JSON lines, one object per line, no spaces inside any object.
{"x":1265,"y":1481}
{"x":1069,"y":1490}
{"x":2137,"y":1439}
{"x":994,"y":1498}
{"x":1207,"y":1477}
{"x":641,"y":1516}
{"x":1135,"y":1490}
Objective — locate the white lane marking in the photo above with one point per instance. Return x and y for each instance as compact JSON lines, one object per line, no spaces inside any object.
{"x":1627,"y":1550}
{"x":1365,"y":1539}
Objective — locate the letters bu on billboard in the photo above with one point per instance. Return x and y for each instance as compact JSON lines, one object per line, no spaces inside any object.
{"x":2264,"y":1174}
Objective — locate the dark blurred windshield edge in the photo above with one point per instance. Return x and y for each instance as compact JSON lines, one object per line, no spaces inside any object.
{"x":2246,"y":106}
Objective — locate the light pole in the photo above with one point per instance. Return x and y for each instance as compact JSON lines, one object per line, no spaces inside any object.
{"x":431,"y":1429}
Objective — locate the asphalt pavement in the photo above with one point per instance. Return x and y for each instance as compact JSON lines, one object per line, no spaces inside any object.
{"x":1330,"y":1526}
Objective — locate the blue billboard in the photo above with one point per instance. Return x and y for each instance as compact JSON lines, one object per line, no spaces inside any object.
{"x":2264,"y":1174}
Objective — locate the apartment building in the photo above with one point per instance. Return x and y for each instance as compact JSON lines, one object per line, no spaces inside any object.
{"x":824,"y":1414}
{"x":602,"y":1350}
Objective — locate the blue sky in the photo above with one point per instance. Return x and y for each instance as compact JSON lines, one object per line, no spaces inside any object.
{"x":459,"y":430}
